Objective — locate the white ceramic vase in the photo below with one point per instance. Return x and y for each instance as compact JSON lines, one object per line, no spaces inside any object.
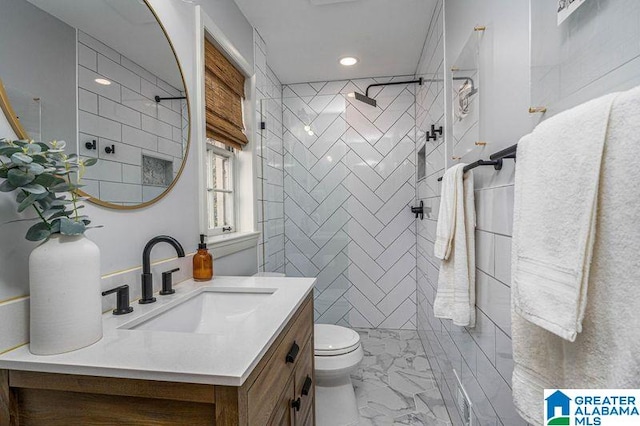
{"x":65,"y":307}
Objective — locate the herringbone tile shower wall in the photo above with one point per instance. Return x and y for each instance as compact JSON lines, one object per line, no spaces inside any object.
{"x":349,"y":181}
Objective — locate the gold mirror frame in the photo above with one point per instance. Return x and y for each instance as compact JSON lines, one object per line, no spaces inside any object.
{"x":15,"y":124}
{"x":11,"y":115}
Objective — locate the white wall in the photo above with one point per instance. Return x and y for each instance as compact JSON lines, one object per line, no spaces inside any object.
{"x":233,"y":23}
{"x":125,"y":232}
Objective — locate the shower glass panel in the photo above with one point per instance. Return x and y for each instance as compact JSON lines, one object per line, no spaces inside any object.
{"x":465,"y":74}
{"x":593,"y":52}
{"x":349,"y":179}
{"x":271,"y":187}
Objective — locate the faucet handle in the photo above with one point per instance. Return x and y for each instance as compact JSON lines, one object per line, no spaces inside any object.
{"x":122,"y":299}
{"x":167,"y":282}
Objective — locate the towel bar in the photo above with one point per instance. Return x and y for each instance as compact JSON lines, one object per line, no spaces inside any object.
{"x":495,"y":159}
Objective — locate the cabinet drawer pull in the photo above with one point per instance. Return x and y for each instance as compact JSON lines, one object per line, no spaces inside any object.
{"x":296,"y":403}
{"x":306,"y":387}
{"x":293,"y":352}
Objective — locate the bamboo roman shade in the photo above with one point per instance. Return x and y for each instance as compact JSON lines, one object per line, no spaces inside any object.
{"x":224,"y":91}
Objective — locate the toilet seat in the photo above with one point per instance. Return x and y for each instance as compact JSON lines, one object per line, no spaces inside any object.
{"x":332,"y":340}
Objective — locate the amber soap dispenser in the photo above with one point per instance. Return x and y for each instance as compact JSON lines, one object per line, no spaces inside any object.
{"x":202,"y":262}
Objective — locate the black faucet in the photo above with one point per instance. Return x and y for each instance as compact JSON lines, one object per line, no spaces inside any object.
{"x":147,"y":277}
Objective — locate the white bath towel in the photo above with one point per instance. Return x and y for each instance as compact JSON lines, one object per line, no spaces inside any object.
{"x":605,"y":353}
{"x":451,"y":191}
{"x":556,"y":187}
{"x":456,"y":295}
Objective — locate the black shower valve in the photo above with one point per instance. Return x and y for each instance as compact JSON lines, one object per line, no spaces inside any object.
{"x":90,"y":144}
{"x":110,"y":149}
{"x":418,"y":210}
{"x":432,"y":135}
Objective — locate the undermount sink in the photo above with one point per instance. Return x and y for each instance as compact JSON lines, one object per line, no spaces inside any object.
{"x":211,"y":311}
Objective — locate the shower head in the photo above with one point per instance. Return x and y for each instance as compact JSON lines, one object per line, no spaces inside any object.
{"x":370,"y":101}
{"x":365,"y":99}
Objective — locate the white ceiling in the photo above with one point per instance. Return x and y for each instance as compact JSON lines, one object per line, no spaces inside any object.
{"x":128,"y":26}
{"x":306,"y":38}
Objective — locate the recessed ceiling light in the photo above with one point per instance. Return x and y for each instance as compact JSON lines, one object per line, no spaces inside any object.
{"x":307,"y":128}
{"x":351,"y":95}
{"x":310,"y":133}
{"x":347,"y":61}
{"x":102,"y":81}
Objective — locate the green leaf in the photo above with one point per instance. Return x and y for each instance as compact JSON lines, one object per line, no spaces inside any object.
{"x":70,"y":227}
{"x":60,"y":203}
{"x":55,"y":226}
{"x":35,"y":188}
{"x":8,"y":151}
{"x":90,"y":162}
{"x":27,"y":202}
{"x":38,"y":232}
{"x":21,"y":158}
{"x":35,"y":168}
{"x":43,"y":146}
{"x":48,"y":180}
{"x":6,"y":187}
{"x":18,"y":177}
{"x":62,"y":187}
{"x":58,"y":214}
{"x":40,"y":159}
{"x":33,"y":148}
{"x":45,"y":203}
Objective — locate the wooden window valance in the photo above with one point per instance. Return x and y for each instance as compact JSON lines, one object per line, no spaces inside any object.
{"x":224,"y":91}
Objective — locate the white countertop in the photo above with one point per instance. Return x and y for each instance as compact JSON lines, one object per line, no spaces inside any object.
{"x":226,"y":359}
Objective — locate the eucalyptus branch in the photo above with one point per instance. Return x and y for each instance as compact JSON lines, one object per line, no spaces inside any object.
{"x":74,"y":196}
{"x":33,"y":205}
{"x":40,"y":171}
{"x":38,"y":211}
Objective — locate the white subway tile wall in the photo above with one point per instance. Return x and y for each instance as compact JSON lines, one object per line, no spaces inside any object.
{"x":125,"y":115}
{"x":270,"y":163}
{"x":349,"y":181}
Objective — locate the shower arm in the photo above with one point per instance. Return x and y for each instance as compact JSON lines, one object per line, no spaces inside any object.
{"x":419,"y":81}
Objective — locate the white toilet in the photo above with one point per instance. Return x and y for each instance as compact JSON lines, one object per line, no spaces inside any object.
{"x":338,"y":353}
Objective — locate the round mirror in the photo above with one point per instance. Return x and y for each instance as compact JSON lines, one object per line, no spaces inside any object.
{"x":103,"y":76}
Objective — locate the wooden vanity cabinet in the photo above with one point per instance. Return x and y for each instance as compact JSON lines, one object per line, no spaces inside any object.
{"x":279,"y":391}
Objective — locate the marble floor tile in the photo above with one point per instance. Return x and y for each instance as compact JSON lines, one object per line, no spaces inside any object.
{"x":394,"y":384}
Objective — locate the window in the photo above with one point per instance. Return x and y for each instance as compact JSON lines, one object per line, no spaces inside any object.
{"x":220,"y":188}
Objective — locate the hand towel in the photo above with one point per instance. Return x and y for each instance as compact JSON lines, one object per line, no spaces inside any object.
{"x":556,"y":187}
{"x":451,"y":191}
{"x":605,"y":353}
{"x":456,"y":294}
